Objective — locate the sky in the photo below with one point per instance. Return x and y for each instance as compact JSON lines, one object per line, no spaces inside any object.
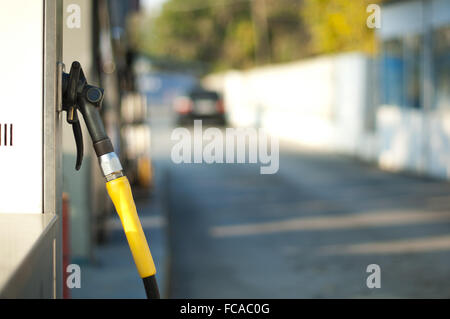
{"x":152,"y":5}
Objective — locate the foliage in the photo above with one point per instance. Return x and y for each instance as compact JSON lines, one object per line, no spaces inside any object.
{"x":229,"y":33}
{"x":339,"y":25}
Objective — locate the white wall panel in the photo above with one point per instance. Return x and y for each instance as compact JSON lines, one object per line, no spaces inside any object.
{"x":21,"y":91}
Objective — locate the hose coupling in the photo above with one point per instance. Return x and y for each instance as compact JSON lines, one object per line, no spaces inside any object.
{"x":110,"y":165}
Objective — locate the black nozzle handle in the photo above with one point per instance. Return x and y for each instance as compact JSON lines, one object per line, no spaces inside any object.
{"x":79,"y":95}
{"x":102,"y":143}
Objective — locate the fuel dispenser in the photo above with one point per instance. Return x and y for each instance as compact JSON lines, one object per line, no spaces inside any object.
{"x":30,"y":152}
{"x":78,"y":95}
{"x":35,"y":90}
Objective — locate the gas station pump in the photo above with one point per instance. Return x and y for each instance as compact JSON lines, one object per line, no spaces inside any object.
{"x":35,"y":90}
{"x":30,"y":183}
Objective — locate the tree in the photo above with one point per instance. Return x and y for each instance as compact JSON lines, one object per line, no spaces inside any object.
{"x":243,"y":33}
{"x":338,"y":25}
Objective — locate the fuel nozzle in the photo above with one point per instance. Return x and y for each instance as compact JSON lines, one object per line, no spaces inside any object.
{"x":78,"y":95}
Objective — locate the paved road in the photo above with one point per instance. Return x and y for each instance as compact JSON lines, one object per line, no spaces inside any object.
{"x":308,"y":231}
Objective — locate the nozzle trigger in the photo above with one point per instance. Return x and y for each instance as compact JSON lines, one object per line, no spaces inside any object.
{"x":76,"y":127}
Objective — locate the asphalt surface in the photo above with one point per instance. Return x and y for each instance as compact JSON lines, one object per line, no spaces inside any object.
{"x":309,"y":231}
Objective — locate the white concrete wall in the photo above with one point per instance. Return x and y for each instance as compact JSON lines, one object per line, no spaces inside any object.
{"x":400,"y":133}
{"x":413,"y":140}
{"x":318,"y":102}
{"x":438,"y":159}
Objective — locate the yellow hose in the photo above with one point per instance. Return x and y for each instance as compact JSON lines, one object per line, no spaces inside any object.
{"x":120,"y":192}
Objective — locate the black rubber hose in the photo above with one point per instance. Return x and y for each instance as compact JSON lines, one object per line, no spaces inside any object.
{"x":151,"y":287}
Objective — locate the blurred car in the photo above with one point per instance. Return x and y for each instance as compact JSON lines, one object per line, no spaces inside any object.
{"x":201,"y":104}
